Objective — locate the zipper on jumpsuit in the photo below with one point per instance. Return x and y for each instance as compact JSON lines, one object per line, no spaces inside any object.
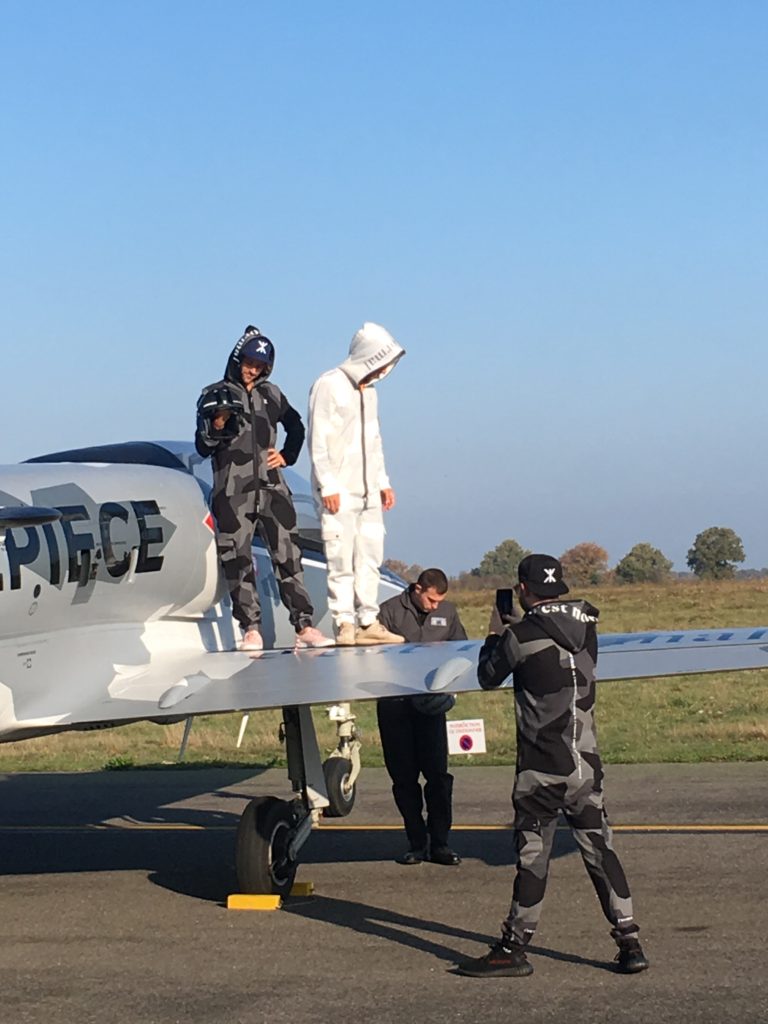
{"x":365,"y":460}
{"x":254,"y":452}
{"x":574,"y":677}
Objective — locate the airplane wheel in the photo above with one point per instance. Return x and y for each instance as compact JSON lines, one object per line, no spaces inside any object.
{"x":340,"y":794}
{"x":264,"y":833}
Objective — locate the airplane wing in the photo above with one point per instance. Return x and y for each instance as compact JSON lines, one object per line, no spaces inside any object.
{"x":111,"y":608}
{"x":211,"y":682}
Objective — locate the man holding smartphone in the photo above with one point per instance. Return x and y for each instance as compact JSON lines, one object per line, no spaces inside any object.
{"x":552,"y":654}
{"x":413,"y":732}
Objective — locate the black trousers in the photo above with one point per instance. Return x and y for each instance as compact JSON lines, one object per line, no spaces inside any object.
{"x":416,"y":744}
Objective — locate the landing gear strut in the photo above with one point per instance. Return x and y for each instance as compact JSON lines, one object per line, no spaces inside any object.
{"x":343,"y":766}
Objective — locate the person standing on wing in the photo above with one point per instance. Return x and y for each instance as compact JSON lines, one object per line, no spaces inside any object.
{"x":350,"y":483}
{"x":551,"y":654}
{"x":237,"y":421}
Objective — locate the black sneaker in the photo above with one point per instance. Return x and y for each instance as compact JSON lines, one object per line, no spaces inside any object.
{"x":502,"y":961}
{"x":444,"y":855}
{"x":630,"y":959}
{"x":412,"y":857}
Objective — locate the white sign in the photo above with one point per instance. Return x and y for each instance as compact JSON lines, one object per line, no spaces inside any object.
{"x":466,"y":736}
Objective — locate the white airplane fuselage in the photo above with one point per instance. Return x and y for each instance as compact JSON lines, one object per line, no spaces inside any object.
{"x":92,"y":602}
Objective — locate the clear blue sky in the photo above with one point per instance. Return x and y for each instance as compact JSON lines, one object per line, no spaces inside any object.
{"x":559,"y":209}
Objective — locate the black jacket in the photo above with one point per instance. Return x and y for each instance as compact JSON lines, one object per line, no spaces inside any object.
{"x":401,"y":615}
{"x":552,"y":654}
{"x":239,"y":451}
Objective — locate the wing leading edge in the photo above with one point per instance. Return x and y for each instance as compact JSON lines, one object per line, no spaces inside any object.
{"x":195,"y":683}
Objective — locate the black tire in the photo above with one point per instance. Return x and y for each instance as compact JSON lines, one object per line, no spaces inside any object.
{"x":341,"y":795}
{"x":261,"y":854}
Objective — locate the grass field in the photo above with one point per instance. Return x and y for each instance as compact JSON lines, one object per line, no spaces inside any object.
{"x":719,"y":717}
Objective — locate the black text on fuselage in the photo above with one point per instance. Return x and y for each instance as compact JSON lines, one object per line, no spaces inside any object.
{"x":86,"y":544}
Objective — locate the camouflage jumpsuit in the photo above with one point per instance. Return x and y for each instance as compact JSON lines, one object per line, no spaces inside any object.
{"x":249,"y":497}
{"x":552,"y":652}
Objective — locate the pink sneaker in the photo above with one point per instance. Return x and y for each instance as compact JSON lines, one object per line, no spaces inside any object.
{"x":252,"y":641}
{"x":311,"y":637}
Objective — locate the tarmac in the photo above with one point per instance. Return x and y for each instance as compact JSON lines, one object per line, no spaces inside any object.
{"x":114,"y":888}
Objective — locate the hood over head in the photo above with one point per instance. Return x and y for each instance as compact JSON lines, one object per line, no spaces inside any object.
{"x":251,"y":345}
{"x":372,"y":349}
{"x":566,"y":622}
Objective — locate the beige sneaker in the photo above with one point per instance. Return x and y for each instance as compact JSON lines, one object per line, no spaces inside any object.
{"x":345,"y":635}
{"x":377,"y":634}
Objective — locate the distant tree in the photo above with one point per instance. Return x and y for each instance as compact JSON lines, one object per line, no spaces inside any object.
{"x":585,"y":564}
{"x":396,"y":566}
{"x":502,"y":561}
{"x":644,"y":564}
{"x":715,"y":552}
{"x":410,"y":573}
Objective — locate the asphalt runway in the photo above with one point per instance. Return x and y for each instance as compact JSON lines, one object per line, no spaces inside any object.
{"x":114,"y":887}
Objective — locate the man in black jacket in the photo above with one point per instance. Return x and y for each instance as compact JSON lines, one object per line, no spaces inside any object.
{"x":552,"y":653}
{"x":413,"y":732}
{"x":237,"y":421}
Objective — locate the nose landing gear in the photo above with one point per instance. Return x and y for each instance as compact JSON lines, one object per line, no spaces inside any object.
{"x":343,"y":766}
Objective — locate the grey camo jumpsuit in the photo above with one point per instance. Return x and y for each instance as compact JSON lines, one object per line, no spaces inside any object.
{"x":552,"y":654}
{"x":249,"y":497}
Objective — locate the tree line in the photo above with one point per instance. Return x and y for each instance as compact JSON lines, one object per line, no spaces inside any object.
{"x":714,"y":555}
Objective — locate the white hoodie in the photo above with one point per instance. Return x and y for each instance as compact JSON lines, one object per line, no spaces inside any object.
{"x":344,"y":438}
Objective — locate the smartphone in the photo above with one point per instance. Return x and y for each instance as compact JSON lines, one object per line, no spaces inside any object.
{"x":504,"y":604}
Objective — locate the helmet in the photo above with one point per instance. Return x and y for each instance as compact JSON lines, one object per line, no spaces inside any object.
{"x":218,"y":399}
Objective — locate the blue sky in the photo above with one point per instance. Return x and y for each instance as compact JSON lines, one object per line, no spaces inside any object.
{"x":558,"y":209}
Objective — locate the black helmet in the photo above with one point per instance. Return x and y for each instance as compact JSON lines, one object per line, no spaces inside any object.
{"x":219,"y":399}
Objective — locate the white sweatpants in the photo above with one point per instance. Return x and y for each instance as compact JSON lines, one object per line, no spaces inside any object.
{"x":354,"y":548}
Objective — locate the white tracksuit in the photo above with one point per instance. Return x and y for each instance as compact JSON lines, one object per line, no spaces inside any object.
{"x":347,"y":459}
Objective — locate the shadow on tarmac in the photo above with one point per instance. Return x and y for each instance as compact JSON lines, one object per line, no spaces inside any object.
{"x":385,"y":924}
{"x":58,"y":799}
{"x":214,"y":879}
{"x":395,"y":927}
{"x":52,"y":823}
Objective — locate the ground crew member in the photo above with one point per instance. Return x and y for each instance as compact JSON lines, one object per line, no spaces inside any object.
{"x":552,"y":653}
{"x":237,"y":421}
{"x":350,"y":483}
{"x":413,"y":732}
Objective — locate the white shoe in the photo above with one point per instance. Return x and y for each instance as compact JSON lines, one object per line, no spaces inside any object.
{"x":312,"y":637}
{"x":252,"y":640}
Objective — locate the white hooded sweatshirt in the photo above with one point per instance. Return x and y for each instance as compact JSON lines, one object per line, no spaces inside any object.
{"x":344,"y":438}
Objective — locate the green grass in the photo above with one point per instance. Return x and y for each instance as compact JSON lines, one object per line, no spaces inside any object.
{"x":718,"y":717}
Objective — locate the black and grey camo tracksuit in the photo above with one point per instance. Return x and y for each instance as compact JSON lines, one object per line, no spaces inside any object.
{"x":249,"y":497}
{"x":552,"y":652}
